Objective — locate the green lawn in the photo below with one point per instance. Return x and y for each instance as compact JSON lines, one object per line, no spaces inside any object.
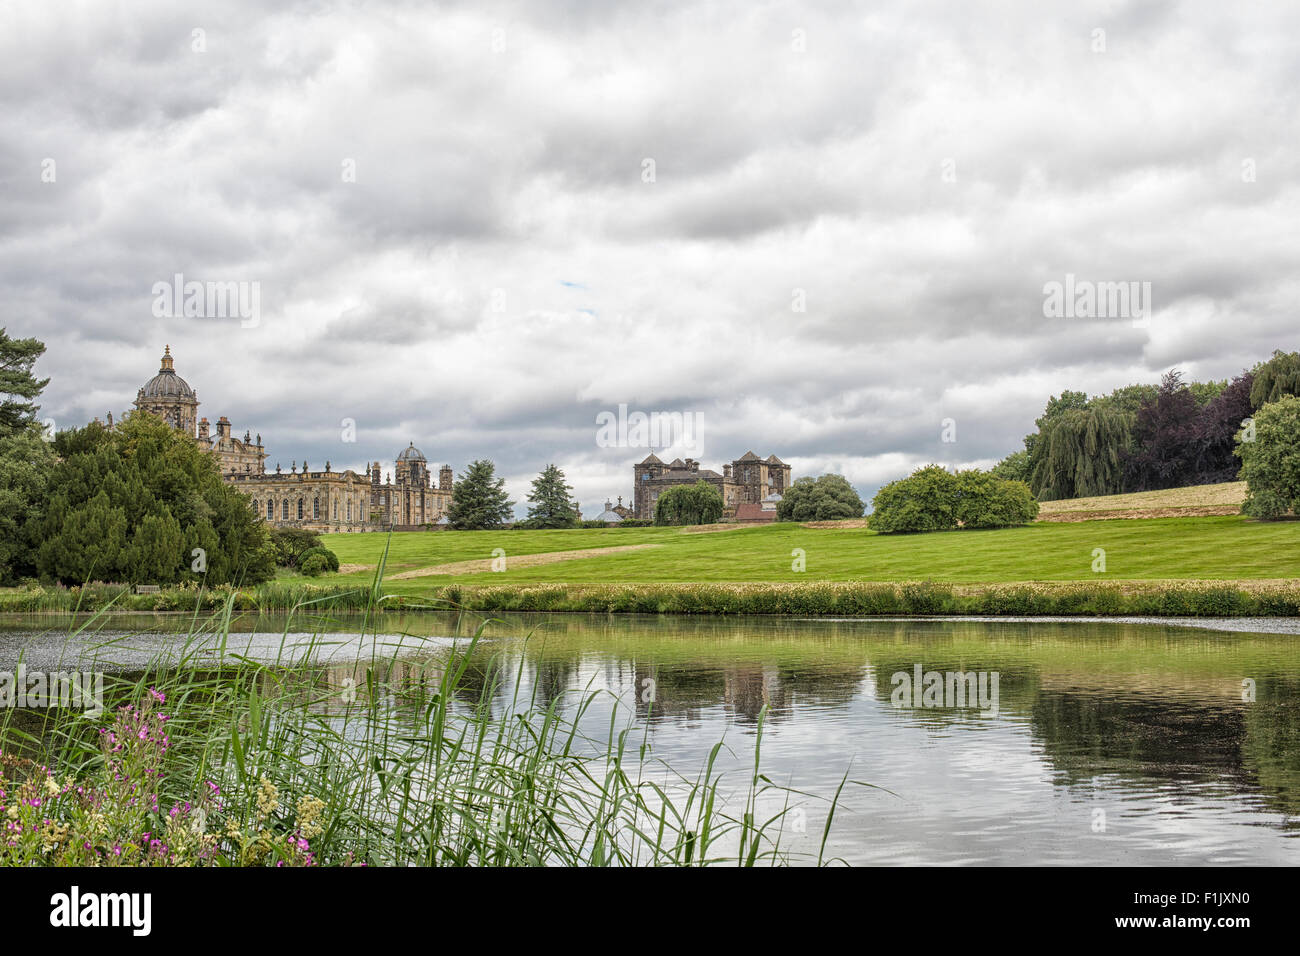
{"x":1201,"y":548}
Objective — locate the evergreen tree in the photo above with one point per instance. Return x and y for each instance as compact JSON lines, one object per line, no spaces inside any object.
{"x":18,"y":387}
{"x":478,"y":499}
{"x":25,"y":463}
{"x":132,"y":504}
{"x":550,"y":504}
{"x":25,"y":457}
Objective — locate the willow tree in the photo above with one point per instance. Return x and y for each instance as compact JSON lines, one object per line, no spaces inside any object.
{"x":1275,"y":378}
{"x":1080,"y":454}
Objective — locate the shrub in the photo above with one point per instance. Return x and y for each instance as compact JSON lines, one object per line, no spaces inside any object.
{"x":985,"y":501}
{"x":934,"y":500}
{"x":330,"y":558}
{"x":292,"y":545}
{"x":313,"y":566}
{"x":926,"y":501}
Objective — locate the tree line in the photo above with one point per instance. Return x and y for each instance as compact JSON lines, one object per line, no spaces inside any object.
{"x":1147,"y":437}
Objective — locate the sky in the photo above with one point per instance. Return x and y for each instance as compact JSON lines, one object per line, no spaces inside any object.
{"x":822,"y":231}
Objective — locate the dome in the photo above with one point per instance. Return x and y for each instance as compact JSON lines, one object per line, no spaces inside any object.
{"x":167,"y":384}
{"x":411,"y":453}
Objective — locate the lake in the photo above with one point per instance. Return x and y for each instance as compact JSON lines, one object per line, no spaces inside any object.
{"x":987,"y":741}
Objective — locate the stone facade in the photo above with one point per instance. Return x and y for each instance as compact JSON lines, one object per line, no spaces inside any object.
{"x":171,"y":398}
{"x":412,"y":501}
{"x":326,"y":500}
{"x":233,"y":455}
{"x":747,"y":480}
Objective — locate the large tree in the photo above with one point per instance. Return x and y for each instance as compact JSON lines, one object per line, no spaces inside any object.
{"x":142,"y":503}
{"x":699,"y":503}
{"x":550,"y":503}
{"x":1079,"y":454}
{"x":1275,"y":378}
{"x":18,"y":386}
{"x":1068,"y":401}
{"x":1162,"y":454}
{"x":478,"y":499}
{"x":25,"y":457}
{"x":1270,"y":460}
{"x":827,"y":498}
{"x":1213,"y":437}
{"x":25,"y":463}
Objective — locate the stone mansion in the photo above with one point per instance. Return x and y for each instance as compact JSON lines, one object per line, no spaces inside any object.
{"x":747,"y":485}
{"x":322,"y":500}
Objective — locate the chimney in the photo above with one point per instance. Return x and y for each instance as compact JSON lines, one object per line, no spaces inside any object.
{"x":223,"y":427}
{"x":726,"y":471}
{"x":203,"y":429}
{"x":444,"y":478}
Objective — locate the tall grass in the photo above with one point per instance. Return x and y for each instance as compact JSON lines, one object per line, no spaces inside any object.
{"x":388,"y":755}
{"x":1114,"y":598}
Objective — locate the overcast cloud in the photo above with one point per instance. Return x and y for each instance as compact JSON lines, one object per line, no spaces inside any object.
{"x":500,"y":272}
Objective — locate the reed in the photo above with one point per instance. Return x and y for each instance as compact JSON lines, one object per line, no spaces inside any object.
{"x":389,"y":756}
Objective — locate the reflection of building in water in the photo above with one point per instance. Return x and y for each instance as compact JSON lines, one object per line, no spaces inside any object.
{"x":749,"y":689}
{"x":743,"y":689}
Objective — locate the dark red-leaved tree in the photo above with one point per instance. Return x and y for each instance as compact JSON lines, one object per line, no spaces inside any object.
{"x":1161,"y":456}
{"x":1214,"y":434}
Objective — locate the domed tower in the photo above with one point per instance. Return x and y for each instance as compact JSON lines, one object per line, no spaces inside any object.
{"x":412,"y":468}
{"x":170,"y":397}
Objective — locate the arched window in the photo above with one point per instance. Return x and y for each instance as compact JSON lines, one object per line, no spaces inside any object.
{"x":300,"y":509}
{"x":255,"y":507}
{"x":349,"y":509}
{"x":284,"y":510}
{"x":270,"y":510}
{"x":315,"y":507}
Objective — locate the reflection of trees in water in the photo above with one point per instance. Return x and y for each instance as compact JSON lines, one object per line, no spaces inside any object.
{"x":482,"y":680}
{"x":1018,"y":684}
{"x":1272,"y":741}
{"x":1088,"y":733}
{"x":552,"y":677}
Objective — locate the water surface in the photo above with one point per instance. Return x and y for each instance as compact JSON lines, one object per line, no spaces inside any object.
{"x":1112,"y":742}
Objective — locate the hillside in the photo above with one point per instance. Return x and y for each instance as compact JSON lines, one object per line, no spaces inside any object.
{"x":1197,"y":500}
